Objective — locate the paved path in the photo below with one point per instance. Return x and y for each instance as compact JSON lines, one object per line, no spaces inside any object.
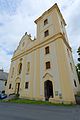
{"x":11,"y":111}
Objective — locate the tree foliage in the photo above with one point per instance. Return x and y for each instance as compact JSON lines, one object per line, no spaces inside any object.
{"x":78,"y":54}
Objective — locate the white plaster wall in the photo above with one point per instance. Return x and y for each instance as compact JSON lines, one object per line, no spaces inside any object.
{"x":28,"y":76}
{"x":51,"y":26}
{"x":73,"y":73}
{"x":42,"y":26}
{"x":51,"y":32}
{"x":42,"y":67}
{"x":34,"y":71}
{"x":54,"y":66}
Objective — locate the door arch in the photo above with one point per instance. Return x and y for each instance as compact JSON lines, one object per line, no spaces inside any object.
{"x":48,"y":89}
{"x":17,"y":86}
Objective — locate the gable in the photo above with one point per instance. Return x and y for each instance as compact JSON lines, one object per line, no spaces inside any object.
{"x":24,"y":44}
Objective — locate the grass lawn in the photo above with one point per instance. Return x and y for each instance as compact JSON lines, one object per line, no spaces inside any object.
{"x":26,"y":101}
{"x":0,"y":100}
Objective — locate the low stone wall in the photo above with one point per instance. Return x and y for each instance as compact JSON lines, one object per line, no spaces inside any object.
{"x":52,"y":100}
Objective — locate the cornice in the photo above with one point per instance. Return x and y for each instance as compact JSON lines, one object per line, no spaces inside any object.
{"x":67,"y":44}
{"x":41,"y":44}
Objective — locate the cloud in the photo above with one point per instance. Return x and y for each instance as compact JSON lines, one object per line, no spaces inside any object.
{"x":1,"y":24}
{"x":73,"y":28}
{"x":4,"y":60}
{"x":9,"y":6}
{"x":17,"y":17}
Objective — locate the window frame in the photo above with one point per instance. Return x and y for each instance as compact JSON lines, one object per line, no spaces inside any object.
{"x":26,"y":85}
{"x":47,"y":50}
{"x":45,"y":22}
{"x":19,"y":68}
{"x":48,"y":65}
{"x":28,"y":67}
{"x":75,"y":84}
{"x":46,"y":33}
{"x":10,"y":86}
{"x":6,"y":83}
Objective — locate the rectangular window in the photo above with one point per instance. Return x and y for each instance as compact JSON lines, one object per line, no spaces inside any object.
{"x":48,"y":65}
{"x":47,"y":50}
{"x":45,"y":21}
{"x":26,"y":85}
{"x":9,"y":86}
{"x":46,"y":33}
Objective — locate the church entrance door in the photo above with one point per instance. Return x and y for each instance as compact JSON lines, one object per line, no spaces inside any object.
{"x":48,"y":89}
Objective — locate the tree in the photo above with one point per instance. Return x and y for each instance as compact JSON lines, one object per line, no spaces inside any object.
{"x":78,"y":65}
{"x":78,"y":54}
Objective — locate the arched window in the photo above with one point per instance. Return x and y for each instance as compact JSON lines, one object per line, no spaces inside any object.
{"x":9,"y":86}
{"x":5,"y":83}
{"x":20,"y":68}
{"x":28,"y":67}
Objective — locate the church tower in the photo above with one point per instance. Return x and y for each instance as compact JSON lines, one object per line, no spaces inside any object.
{"x":57,"y":57}
{"x":44,"y":69}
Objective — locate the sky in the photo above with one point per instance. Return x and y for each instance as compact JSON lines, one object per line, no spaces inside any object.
{"x":18,"y":16}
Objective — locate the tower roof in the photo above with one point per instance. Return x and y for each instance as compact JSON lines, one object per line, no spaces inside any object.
{"x":50,"y":9}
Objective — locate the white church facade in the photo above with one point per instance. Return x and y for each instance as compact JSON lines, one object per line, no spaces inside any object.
{"x":43,"y":69}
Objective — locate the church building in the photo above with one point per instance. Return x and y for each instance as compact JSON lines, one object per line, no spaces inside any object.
{"x":43,"y":68}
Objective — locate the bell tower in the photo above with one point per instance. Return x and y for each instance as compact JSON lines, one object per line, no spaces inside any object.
{"x":50,"y":23}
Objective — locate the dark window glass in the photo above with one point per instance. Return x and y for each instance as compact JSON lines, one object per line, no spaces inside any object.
{"x":26,"y":85}
{"x":45,"y":21}
{"x":9,"y":86}
{"x":20,"y":68}
{"x":47,"y":65}
{"x":75,"y":83}
{"x":46,"y":33}
{"x":5,"y":83}
{"x":47,"y":50}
